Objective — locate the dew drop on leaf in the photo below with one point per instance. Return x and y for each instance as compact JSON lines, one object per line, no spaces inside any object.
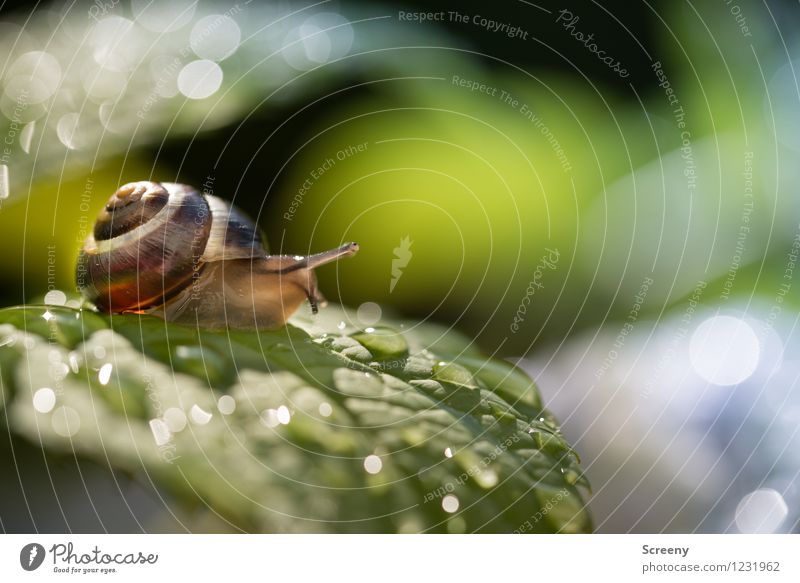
{"x":450,"y":503}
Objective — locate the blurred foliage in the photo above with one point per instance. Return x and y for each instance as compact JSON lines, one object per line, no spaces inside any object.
{"x":474,"y":183}
{"x":481,"y":190}
{"x":474,"y":178}
{"x":442,"y":418}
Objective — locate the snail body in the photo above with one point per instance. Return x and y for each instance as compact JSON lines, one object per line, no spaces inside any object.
{"x":166,"y":249}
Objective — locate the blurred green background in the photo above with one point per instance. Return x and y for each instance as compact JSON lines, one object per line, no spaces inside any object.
{"x":555,"y":152}
{"x":346,"y":121}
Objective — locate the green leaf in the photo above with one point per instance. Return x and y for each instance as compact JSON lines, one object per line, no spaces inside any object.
{"x":316,"y":427}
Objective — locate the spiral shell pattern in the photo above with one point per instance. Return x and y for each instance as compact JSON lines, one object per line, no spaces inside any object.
{"x":147,"y":244}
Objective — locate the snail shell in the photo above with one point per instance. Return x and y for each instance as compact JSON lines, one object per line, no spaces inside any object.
{"x":166,"y":249}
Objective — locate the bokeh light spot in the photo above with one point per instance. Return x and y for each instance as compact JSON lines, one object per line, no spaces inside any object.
{"x":724,"y":350}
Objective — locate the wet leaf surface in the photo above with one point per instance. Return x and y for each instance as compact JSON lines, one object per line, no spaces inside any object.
{"x":271,"y":431}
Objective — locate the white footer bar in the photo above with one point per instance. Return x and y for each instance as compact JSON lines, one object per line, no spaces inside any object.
{"x":405,"y":558}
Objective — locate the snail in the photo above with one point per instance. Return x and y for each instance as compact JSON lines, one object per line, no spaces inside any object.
{"x":166,"y":249}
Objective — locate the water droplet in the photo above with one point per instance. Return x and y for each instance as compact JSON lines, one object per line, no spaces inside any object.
{"x":105,"y":373}
{"x":319,"y":39}
{"x":26,"y":137}
{"x":369,"y":313}
{"x":502,"y":413}
{"x":200,"y":79}
{"x":199,"y":416}
{"x":450,"y":503}
{"x":383,"y":343}
{"x":58,"y":371}
{"x":55,"y":297}
{"x":372,"y":464}
{"x":724,"y":350}
{"x":351,"y":348}
{"x":74,"y":363}
{"x":161,"y":432}
{"x":325,"y":409}
{"x":13,"y":108}
{"x":316,"y":42}
{"x":506,"y":380}
{"x":67,"y":130}
{"x":175,"y":419}
{"x":226,"y":404}
{"x":428,"y":385}
{"x":270,"y":418}
{"x":44,"y":400}
{"x":454,"y":374}
{"x":486,"y":479}
{"x":65,"y":421}
{"x":111,"y":116}
{"x":341,"y":325}
{"x":5,"y":185}
{"x":215,"y":37}
{"x":306,"y":46}
{"x":115,"y":41}
{"x":571,"y":476}
{"x":283,"y":415}
{"x":34,"y":77}
{"x":761,"y":512}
